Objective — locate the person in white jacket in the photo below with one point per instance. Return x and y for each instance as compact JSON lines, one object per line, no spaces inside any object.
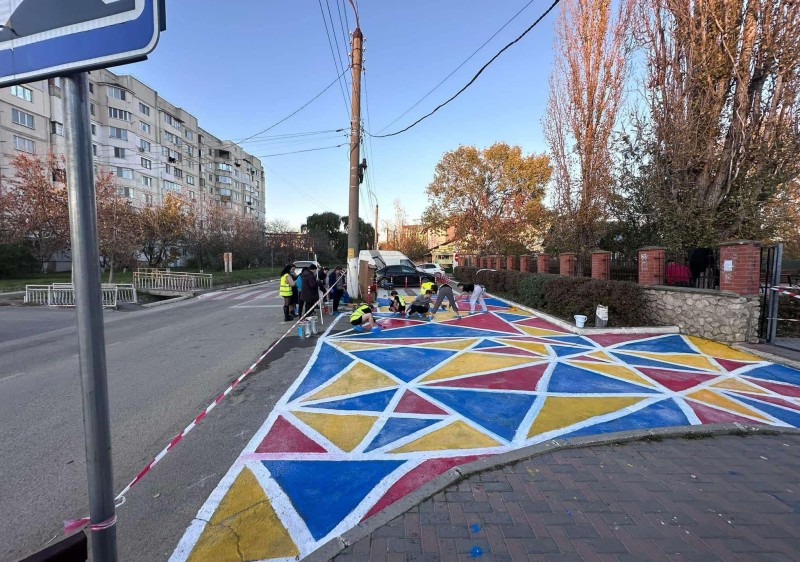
{"x":475,"y":296}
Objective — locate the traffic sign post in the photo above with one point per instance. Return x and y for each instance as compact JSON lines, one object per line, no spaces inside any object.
{"x":43,"y":38}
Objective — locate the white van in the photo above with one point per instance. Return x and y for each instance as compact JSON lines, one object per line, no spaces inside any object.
{"x":382,"y":258}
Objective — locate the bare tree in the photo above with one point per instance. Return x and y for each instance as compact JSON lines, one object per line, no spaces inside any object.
{"x":586,"y":87}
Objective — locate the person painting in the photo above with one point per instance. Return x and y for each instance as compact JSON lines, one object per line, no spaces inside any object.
{"x":309,"y":293}
{"x":336,"y":280}
{"x":475,"y":293}
{"x":427,"y":286}
{"x":396,"y":304}
{"x":286,"y":286}
{"x":363,"y":315}
{"x":445,"y":291}
{"x":420,"y":305}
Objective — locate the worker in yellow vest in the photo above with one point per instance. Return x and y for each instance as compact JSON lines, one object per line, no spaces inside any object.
{"x":427,"y":286}
{"x":363,"y":314}
{"x":286,"y":284}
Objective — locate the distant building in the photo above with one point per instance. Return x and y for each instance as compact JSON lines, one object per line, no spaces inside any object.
{"x":152,"y":146}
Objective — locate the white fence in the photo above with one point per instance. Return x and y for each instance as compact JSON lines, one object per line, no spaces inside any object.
{"x":166,"y":280}
{"x":63,"y":294}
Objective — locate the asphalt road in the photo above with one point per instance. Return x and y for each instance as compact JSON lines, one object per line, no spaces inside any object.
{"x":165,"y":365}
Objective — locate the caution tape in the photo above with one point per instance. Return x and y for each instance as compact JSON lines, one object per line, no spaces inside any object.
{"x":75,"y":524}
{"x":785,"y":292}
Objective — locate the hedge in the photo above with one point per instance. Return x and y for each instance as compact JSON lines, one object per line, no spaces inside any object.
{"x":564,"y":296}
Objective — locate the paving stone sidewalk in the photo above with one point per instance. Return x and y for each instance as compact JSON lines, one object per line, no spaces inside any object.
{"x":721,"y":498}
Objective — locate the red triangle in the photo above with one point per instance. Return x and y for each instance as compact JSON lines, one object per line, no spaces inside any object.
{"x":539,"y":323}
{"x":676,"y":381}
{"x":412,"y":403}
{"x":784,"y":389}
{"x":484,"y":321}
{"x":771,"y":400}
{"x":283,"y":437}
{"x":729,"y":365}
{"x":610,"y":339}
{"x":507,"y":350}
{"x":524,"y":378}
{"x":398,"y":322}
{"x":415,"y":478}
{"x":706,"y":414}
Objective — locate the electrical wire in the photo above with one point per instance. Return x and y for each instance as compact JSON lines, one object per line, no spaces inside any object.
{"x":456,"y":69}
{"x":299,"y":151}
{"x":295,"y":186}
{"x":468,"y":84}
{"x":335,"y":64}
{"x":293,"y":135}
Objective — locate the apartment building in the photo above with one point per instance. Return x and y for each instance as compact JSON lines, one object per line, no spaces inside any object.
{"x":152,"y":146}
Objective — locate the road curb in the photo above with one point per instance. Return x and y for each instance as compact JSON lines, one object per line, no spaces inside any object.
{"x":462,"y":472}
{"x":167,"y":301}
{"x":766,"y":355}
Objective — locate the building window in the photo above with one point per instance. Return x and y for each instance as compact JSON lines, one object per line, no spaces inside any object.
{"x":57,"y":128}
{"x":174,"y":139}
{"x":146,"y":181}
{"x":25,"y":145}
{"x":168,"y":169}
{"x":91,"y":108}
{"x":128,"y":192}
{"x":202,"y":182}
{"x":117,"y":133}
{"x":189,"y":150}
{"x":224,"y":179}
{"x":171,"y":185}
{"x":145,"y":127}
{"x":225,"y":167}
{"x":22,"y":92}
{"x":190,"y":180}
{"x":147,"y":163}
{"x":94,"y":130}
{"x":177,"y":172}
{"x":91,"y":88}
{"x":144,"y":146}
{"x":116,"y":93}
{"x":170,"y":120}
{"x":115,"y":113}
{"x":189,"y":134}
{"x":22,"y":118}
{"x":148,"y":198}
{"x":94,"y":150}
{"x":144,"y":109}
{"x":119,"y":152}
{"x":191,"y":194}
{"x":124,"y":173}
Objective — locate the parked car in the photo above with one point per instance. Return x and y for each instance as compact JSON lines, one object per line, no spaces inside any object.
{"x":432,"y":268}
{"x":299,"y":265}
{"x":401,"y":276}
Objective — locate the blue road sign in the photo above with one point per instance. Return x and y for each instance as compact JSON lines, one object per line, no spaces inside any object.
{"x":40,"y":38}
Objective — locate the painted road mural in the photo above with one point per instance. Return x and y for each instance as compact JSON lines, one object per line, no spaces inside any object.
{"x":376,"y":415}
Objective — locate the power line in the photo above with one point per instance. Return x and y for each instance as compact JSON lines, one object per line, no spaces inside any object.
{"x":335,"y":64}
{"x":468,"y":84}
{"x":299,"y":151}
{"x":291,"y":135}
{"x":292,"y":184}
{"x":456,"y":69}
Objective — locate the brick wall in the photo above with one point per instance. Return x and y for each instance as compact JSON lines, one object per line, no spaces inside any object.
{"x":651,"y":266}
{"x":566,"y":263}
{"x":740,"y":267}
{"x":541,"y":262}
{"x":525,"y":263}
{"x":601,"y":265}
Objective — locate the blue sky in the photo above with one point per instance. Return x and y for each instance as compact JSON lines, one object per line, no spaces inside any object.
{"x":242,"y":65}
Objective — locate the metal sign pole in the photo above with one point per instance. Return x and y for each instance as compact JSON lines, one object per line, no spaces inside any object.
{"x":91,"y":335}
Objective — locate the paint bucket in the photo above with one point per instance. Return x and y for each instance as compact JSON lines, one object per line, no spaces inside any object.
{"x":300,"y":333}
{"x":580,"y":320}
{"x":312,"y":322}
{"x":306,"y":329}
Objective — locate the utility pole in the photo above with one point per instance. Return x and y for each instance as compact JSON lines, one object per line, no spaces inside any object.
{"x":376,"y":226}
{"x":355,"y":142}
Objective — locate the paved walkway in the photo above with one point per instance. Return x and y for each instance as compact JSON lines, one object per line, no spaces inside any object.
{"x":722,"y":498}
{"x":375,"y":416}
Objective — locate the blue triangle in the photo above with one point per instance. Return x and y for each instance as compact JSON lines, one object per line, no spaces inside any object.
{"x":438,"y":330}
{"x":325,"y":492}
{"x":487,"y":343}
{"x":512,"y":317}
{"x":665,"y":413}
{"x":645,"y":362}
{"x":789,"y":416}
{"x":328,"y":363}
{"x":569,"y":379}
{"x":667,"y":344}
{"x":373,"y":402}
{"x":777,"y":373}
{"x":499,"y":412}
{"x":406,"y":363}
{"x":491,"y":301}
{"x":578,"y":340}
{"x":563,"y":350}
{"x":397,"y":428}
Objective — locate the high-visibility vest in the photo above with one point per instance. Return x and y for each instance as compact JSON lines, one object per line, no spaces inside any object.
{"x":360,"y":311}
{"x":286,"y":286}
{"x":426,"y":286}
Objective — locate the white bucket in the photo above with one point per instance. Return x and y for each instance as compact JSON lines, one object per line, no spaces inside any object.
{"x":580,"y":320}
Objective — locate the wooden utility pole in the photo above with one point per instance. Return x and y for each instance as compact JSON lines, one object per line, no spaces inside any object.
{"x":355,"y":142}
{"x":376,"y":226}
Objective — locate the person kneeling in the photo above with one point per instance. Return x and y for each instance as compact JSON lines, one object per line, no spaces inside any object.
{"x":421,"y":304}
{"x":363,"y":315}
{"x":396,"y":304}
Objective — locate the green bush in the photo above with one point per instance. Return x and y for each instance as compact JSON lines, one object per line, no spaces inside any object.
{"x":465,"y":274}
{"x":530,"y":289}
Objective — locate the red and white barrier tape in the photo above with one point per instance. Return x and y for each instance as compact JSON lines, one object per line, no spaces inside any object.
{"x":785,"y":292}
{"x":75,"y":524}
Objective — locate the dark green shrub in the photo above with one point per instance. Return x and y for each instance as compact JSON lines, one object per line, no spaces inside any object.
{"x":530,"y":289}
{"x":564,"y":297}
{"x":510,"y":281}
{"x":568,"y":296}
{"x":465,"y":274}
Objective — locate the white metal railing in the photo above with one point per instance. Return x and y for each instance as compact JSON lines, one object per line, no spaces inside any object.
{"x":126,"y":292}
{"x":37,"y":294}
{"x":63,"y":294}
{"x":179,"y":282}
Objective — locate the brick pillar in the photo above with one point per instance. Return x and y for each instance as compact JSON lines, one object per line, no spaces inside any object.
{"x":525,"y":263}
{"x":484,"y":262}
{"x":740,"y":267}
{"x":651,"y":266}
{"x":541,"y":263}
{"x":511,"y":262}
{"x":601,"y":265}
{"x":500,"y":261}
{"x":566,"y":263}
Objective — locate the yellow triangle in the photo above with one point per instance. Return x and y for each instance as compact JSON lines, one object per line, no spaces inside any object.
{"x":719,"y":350}
{"x":719,"y":401}
{"x":685,"y":359}
{"x":538,"y":348}
{"x":346,"y":432}
{"x":539,"y":331}
{"x":457,"y":435}
{"x":358,"y":379}
{"x":358,"y":346}
{"x":601,"y":355}
{"x":455,"y":345}
{"x":244,"y":527}
{"x":735,"y":384}
{"x":558,"y":412}
{"x":614,"y":370}
{"x":470,"y":362}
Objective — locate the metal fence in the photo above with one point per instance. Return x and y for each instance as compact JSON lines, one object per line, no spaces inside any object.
{"x":165,"y":280}
{"x":624,"y":269}
{"x":63,"y":295}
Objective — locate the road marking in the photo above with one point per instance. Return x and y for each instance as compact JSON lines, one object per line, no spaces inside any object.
{"x":9,"y":377}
